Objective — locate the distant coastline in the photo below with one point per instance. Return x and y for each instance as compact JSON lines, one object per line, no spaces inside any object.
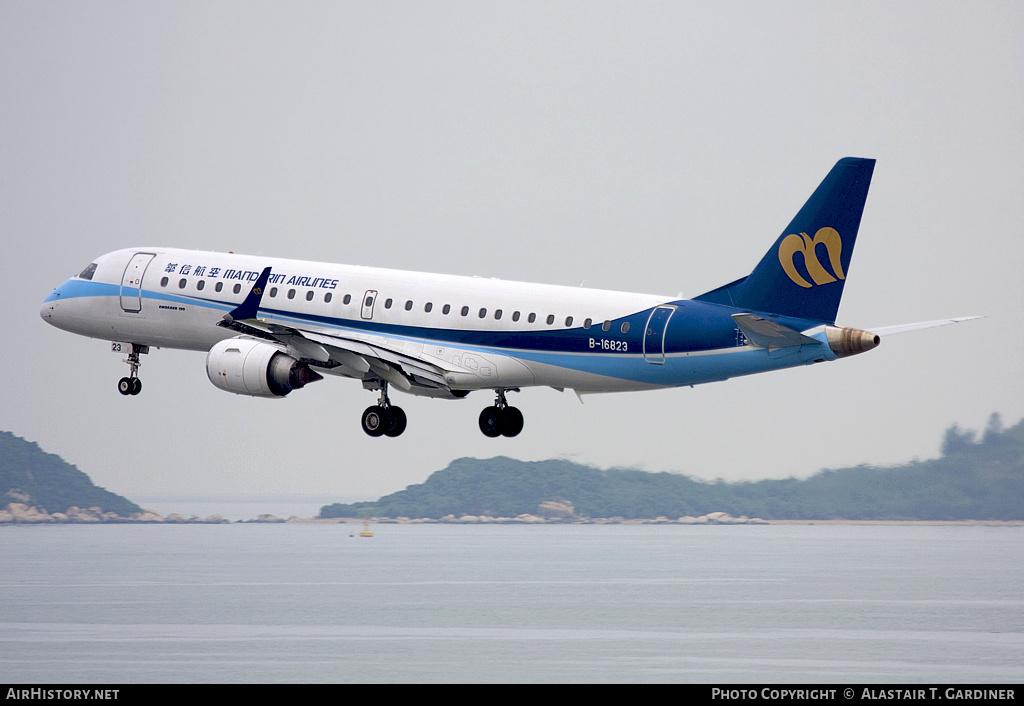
{"x":21,"y":514}
{"x":661,"y":521}
{"x":978,"y":480}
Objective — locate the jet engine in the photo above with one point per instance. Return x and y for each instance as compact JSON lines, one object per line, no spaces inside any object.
{"x":248,"y":366}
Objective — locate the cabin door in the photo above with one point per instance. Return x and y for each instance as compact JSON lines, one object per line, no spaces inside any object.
{"x":654,"y":335}
{"x":131,"y":282}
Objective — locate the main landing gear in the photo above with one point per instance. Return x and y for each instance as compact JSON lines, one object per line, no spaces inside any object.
{"x":384,"y":419}
{"x":131,"y":385}
{"x":501,"y":419}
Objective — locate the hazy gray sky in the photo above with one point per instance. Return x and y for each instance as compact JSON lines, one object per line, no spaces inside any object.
{"x":653,"y":147}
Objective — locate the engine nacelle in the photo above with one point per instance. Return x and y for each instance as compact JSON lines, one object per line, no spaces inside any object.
{"x":248,"y":366}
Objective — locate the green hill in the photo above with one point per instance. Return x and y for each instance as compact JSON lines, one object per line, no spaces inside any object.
{"x":974,"y":479}
{"x":31,"y":476}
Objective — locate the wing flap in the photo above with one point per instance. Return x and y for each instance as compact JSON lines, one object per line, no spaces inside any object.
{"x":368,"y":352}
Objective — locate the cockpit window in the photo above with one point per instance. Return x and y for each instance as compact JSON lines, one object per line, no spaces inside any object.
{"x":88,"y":272}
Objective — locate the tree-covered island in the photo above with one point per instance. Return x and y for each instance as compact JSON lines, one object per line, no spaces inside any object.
{"x":977,"y":477}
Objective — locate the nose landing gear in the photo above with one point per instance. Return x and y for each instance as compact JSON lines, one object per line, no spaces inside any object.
{"x":501,"y":419}
{"x":131,"y":385}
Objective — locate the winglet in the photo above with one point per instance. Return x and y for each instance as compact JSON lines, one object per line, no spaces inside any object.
{"x":251,"y":305}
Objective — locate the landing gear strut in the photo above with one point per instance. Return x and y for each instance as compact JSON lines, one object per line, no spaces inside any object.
{"x":131,"y":385}
{"x":384,"y":419}
{"x":501,"y":419}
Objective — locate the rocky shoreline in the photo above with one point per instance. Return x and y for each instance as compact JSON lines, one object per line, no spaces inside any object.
{"x":21,"y":513}
{"x":714,"y":518}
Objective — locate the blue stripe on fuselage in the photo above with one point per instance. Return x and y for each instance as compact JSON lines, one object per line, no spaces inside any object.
{"x":700,"y":345}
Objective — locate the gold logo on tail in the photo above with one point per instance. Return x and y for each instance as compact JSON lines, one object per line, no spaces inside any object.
{"x":803,"y":243}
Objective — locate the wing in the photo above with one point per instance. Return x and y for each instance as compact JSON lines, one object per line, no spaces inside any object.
{"x":363,"y":356}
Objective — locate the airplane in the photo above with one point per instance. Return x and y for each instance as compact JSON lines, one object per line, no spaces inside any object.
{"x":270,"y":326}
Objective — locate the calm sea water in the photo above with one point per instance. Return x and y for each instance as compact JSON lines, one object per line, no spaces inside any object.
{"x":442,"y":603}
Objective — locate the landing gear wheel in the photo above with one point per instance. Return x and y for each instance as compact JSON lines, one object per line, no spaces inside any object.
{"x":375,"y":420}
{"x":396,"y":421}
{"x":131,"y":385}
{"x":491,"y":419}
{"x":512,"y":423}
{"x":383,"y":418}
{"x":501,"y":419}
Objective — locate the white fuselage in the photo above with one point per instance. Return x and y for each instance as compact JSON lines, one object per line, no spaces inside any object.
{"x":521,"y":334}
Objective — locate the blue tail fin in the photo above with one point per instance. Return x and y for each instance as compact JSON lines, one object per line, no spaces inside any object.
{"x":804,"y":272}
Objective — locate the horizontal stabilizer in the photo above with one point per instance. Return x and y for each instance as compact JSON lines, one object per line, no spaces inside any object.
{"x":768,"y":334}
{"x":904,"y":328}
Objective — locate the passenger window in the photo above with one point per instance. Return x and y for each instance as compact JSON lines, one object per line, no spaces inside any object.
{"x":273,"y":292}
{"x":238,"y":288}
{"x":219,"y":286}
{"x":428,"y":307}
{"x":625,"y":327}
{"x":465,"y":311}
{"x":408,"y":305}
{"x":328,"y":297}
{"x":347,"y":299}
{"x":291,"y":293}
{"x":532,"y":317}
{"x":551,"y":319}
{"x":446,"y":309}
{"x":309,"y":296}
{"x":586,"y":323}
{"x":163,"y":282}
{"x":483,"y":313}
{"x":606,"y":326}
{"x":181,"y":283}
{"x":568,"y":321}
{"x":387,"y":303}
{"x":497,"y":314}
{"x":200,"y":284}
{"x":515,"y":316}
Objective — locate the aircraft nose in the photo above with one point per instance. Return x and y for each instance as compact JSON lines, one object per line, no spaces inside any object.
{"x":49,"y":308}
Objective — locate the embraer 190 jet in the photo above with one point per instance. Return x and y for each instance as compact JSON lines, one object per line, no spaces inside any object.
{"x":270,"y":326}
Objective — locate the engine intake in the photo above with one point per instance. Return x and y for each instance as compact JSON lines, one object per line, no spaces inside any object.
{"x":247,"y":366}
